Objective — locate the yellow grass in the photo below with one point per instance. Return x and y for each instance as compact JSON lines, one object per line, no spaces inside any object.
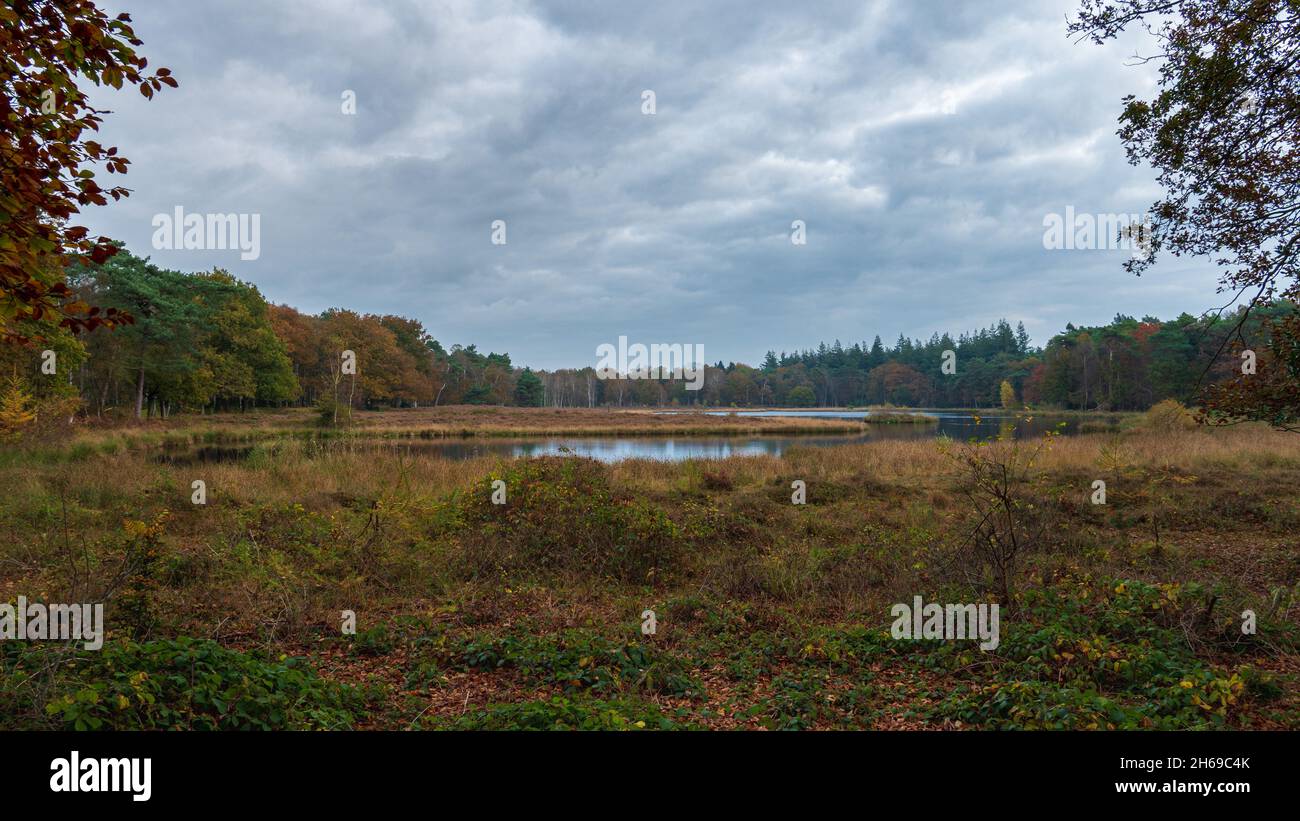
{"x":345,"y":469}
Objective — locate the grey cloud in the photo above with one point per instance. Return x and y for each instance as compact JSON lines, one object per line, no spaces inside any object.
{"x":922,"y":143}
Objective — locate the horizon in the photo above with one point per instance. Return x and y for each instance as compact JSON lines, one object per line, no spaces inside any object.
{"x":865,"y":343}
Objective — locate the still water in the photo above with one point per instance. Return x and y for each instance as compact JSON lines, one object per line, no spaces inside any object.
{"x":615,"y":448}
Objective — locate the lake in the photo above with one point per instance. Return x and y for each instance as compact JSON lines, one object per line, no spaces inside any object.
{"x":616,"y":448}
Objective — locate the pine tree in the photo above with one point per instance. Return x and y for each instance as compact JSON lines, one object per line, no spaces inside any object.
{"x":1022,"y":339}
{"x":529,"y":392}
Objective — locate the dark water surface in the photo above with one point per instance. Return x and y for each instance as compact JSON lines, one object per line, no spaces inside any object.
{"x":953,"y":424}
{"x":615,"y":448}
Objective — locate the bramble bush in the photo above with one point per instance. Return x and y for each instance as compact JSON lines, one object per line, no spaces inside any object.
{"x":1079,"y":657}
{"x":179,"y":684}
{"x":574,"y":660}
{"x":562,"y":713}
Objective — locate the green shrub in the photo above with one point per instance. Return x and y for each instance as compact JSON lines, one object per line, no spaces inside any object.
{"x":188,"y":684}
{"x":373,"y":642}
{"x":796,"y":702}
{"x":574,"y":660}
{"x":333,"y":414}
{"x":560,"y":713}
{"x":1079,"y":658}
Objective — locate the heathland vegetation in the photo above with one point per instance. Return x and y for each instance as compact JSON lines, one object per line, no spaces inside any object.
{"x":771,"y":614}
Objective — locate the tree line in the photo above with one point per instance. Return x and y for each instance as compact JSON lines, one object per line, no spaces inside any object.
{"x":208,"y":342}
{"x":1127,"y":364}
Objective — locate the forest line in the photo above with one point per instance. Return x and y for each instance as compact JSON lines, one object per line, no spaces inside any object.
{"x":206,"y":342}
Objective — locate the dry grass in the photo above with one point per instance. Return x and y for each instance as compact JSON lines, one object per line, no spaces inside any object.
{"x":447,"y":422}
{"x":294,"y":471}
{"x":922,"y":461}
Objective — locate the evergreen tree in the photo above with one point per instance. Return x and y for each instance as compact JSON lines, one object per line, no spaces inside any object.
{"x":528,"y":390}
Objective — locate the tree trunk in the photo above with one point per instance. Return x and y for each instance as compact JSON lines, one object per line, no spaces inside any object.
{"x":139,"y":394}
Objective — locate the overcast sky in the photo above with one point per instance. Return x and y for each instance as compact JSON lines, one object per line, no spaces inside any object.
{"x":922,"y":144}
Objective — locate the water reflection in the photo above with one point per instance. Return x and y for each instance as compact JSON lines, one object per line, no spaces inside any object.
{"x":953,"y":424}
{"x":616,"y":448}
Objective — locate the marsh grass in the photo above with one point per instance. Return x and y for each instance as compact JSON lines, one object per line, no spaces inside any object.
{"x":893,"y":418}
{"x":303,"y":527}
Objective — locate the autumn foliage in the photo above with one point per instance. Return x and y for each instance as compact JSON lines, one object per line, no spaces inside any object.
{"x":47,"y":159}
